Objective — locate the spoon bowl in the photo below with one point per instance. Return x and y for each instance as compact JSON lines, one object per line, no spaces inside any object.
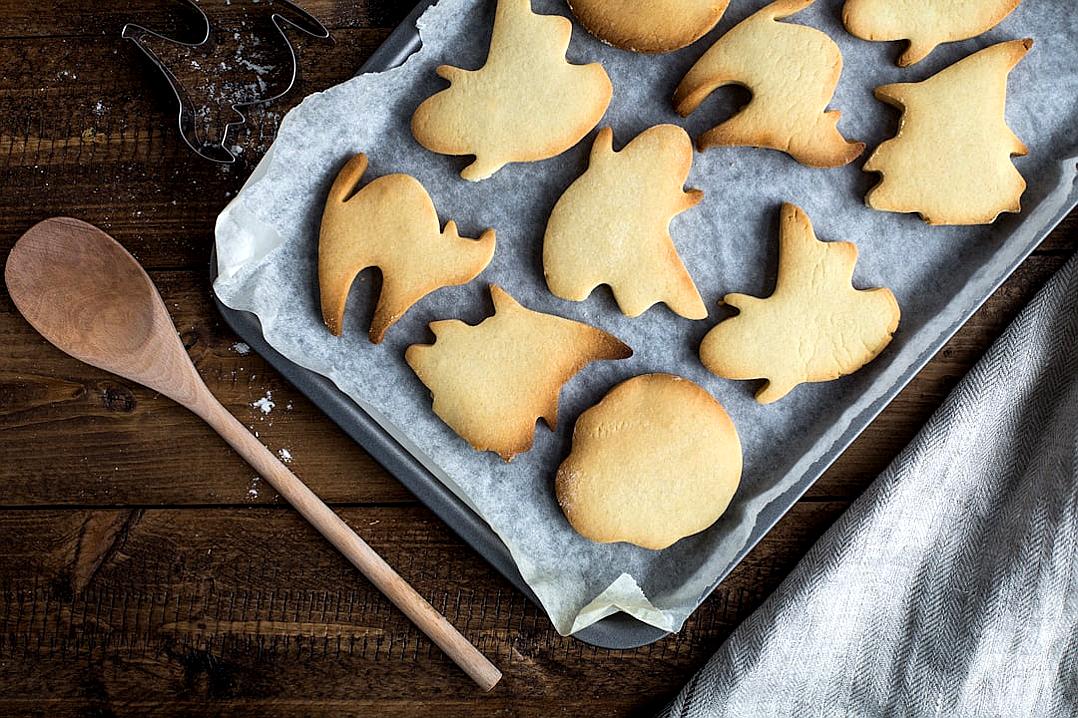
{"x":89,"y":297}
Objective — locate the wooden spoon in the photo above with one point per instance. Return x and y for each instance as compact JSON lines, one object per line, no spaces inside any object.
{"x":88,"y":296}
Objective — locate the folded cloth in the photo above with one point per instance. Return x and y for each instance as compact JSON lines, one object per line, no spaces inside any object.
{"x":950,"y":588}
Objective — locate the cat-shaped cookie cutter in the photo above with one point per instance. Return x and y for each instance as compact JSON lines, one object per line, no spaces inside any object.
{"x":284,"y":14}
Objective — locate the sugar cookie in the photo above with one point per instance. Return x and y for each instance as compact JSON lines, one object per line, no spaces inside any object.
{"x":391,"y":224}
{"x":951,"y":159}
{"x":611,"y":226}
{"x":815,"y":327}
{"x":791,"y":70}
{"x":491,"y":382}
{"x":656,"y":460}
{"x":925,"y":23}
{"x":651,"y":26}
{"x":526,"y":103}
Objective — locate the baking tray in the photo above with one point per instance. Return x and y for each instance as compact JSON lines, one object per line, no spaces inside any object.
{"x":618,"y":631}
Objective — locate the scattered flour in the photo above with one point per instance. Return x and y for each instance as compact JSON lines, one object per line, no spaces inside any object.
{"x":265,"y":404}
{"x":241,"y":348}
{"x":286,"y":455}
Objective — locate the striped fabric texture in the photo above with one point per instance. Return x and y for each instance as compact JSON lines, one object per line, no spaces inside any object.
{"x":950,"y":588}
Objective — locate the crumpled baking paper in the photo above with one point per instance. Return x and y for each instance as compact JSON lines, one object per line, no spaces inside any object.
{"x":267,"y":247}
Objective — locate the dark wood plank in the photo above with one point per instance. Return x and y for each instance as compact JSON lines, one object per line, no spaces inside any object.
{"x":158,"y":611}
{"x":55,"y":115}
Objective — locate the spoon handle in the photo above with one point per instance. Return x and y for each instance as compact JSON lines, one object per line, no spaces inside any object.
{"x":355,"y":549}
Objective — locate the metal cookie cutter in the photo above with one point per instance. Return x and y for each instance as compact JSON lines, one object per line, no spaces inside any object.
{"x":235,"y":65}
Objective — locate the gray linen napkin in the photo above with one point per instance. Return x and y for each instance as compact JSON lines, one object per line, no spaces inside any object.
{"x":950,"y":588}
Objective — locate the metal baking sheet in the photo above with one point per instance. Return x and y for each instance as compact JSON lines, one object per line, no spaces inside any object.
{"x":618,"y":631}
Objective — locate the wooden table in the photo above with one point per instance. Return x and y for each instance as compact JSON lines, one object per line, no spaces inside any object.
{"x":145,"y":571}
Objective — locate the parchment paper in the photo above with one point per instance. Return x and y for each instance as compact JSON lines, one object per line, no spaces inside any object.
{"x":267,"y":245}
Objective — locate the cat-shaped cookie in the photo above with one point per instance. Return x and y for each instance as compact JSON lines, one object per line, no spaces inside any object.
{"x":391,"y":224}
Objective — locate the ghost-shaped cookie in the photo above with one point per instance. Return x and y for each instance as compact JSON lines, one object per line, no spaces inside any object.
{"x":925,"y":23}
{"x":391,"y":224}
{"x":491,"y":382}
{"x":950,"y":161}
{"x":612,"y":225}
{"x":791,"y":70}
{"x":815,"y":326}
{"x":658,"y":459}
{"x":526,"y":103}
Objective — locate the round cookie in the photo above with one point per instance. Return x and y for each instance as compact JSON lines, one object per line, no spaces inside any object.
{"x":658,"y":459}
{"x":649,"y":25}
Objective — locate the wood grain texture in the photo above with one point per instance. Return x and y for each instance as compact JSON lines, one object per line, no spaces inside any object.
{"x":200,"y":607}
{"x":88,"y":296}
{"x":142,"y":570}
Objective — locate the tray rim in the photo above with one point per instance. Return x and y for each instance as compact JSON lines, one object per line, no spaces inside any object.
{"x":618,"y":631}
